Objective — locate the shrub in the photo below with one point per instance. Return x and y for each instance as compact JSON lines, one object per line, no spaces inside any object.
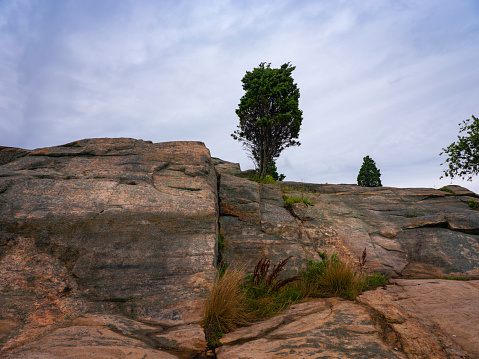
{"x":237,"y":300}
{"x":473,"y":204}
{"x":333,"y":277}
{"x":267,"y":180}
{"x":267,"y":294}
{"x":289,"y":201}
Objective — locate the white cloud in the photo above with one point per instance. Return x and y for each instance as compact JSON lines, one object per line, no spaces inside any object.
{"x":389,"y":79}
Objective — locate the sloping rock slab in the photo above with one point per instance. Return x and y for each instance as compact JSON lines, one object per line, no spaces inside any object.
{"x":325,"y":328}
{"x":431,"y":318}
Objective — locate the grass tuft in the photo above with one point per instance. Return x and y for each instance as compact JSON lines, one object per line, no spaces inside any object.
{"x":237,"y":300}
{"x":289,"y":201}
{"x":226,"y":307}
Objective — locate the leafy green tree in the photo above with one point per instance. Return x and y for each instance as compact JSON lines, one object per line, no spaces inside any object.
{"x":463,"y":155}
{"x":369,"y":174}
{"x":269,"y":116}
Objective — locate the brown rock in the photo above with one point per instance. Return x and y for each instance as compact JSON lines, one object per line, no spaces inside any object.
{"x":327,"y":328}
{"x":432,"y":318}
{"x":112,"y":226}
{"x":77,"y":342}
{"x":255,"y":224}
{"x":417,"y":232}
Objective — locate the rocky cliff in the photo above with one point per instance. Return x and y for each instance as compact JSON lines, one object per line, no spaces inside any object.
{"x":108,"y":248}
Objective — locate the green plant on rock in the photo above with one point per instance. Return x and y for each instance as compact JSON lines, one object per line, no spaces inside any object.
{"x":333,"y":277}
{"x":226,"y":307}
{"x":237,"y":300}
{"x":266,"y":180}
{"x":473,"y":204}
{"x":412,"y":214}
{"x":445,"y":189}
{"x":266,"y":292}
{"x":222,"y":265}
{"x":289,"y":201}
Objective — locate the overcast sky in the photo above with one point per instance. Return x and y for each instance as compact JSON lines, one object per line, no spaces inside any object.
{"x":390,"y":79}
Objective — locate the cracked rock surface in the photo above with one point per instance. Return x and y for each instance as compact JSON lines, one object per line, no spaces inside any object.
{"x":112,"y":226}
{"x":407,"y":232}
{"x":108,"y":249}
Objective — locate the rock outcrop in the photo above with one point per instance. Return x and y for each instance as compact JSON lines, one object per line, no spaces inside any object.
{"x":108,"y":248}
{"x":407,"y":232}
{"x":112,"y":226}
{"x":407,"y":319}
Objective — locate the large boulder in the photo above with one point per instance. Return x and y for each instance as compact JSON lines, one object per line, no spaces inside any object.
{"x":116,"y":226}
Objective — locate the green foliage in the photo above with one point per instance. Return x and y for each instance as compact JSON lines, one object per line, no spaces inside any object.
{"x":269,"y":114}
{"x":375,"y":280}
{"x":369,"y":174}
{"x":445,"y":189}
{"x":237,"y":300}
{"x":473,"y":204}
{"x":333,"y":277}
{"x":273,"y":171}
{"x":267,"y":294}
{"x":266,"y":180}
{"x":289,"y":201}
{"x":221,"y":243}
{"x":413,"y":213}
{"x":463,"y":155}
{"x":222,"y":265}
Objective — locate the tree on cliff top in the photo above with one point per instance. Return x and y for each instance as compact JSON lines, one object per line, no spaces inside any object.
{"x":463,"y":160}
{"x":369,"y":174}
{"x":269,"y":116}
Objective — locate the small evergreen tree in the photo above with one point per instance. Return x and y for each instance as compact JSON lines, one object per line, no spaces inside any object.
{"x":369,"y":174}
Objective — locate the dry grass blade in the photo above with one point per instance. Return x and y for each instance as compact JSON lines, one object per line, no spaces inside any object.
{"x":342,"y":279}
{"x":226,"y":306}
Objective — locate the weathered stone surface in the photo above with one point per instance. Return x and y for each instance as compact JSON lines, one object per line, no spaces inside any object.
{"x":409,"y":232}
{"x":325,"y":328}
{"x":225,"y":167}
{"x":255,"y":224}
{"x":108,"y":249}
{"x":432,"y":318}
{"x":115,"y":226}
{"x":407,"y":319}
{"x":88,"y":342}
{"x":187,"y":340}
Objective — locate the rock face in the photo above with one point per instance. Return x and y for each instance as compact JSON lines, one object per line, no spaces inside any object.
{"x":106,"y":225}
{"x":255,"y":224}
{"x":408,"y":232}
{"x":407,"y":319}
{"x":108,"y":249}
